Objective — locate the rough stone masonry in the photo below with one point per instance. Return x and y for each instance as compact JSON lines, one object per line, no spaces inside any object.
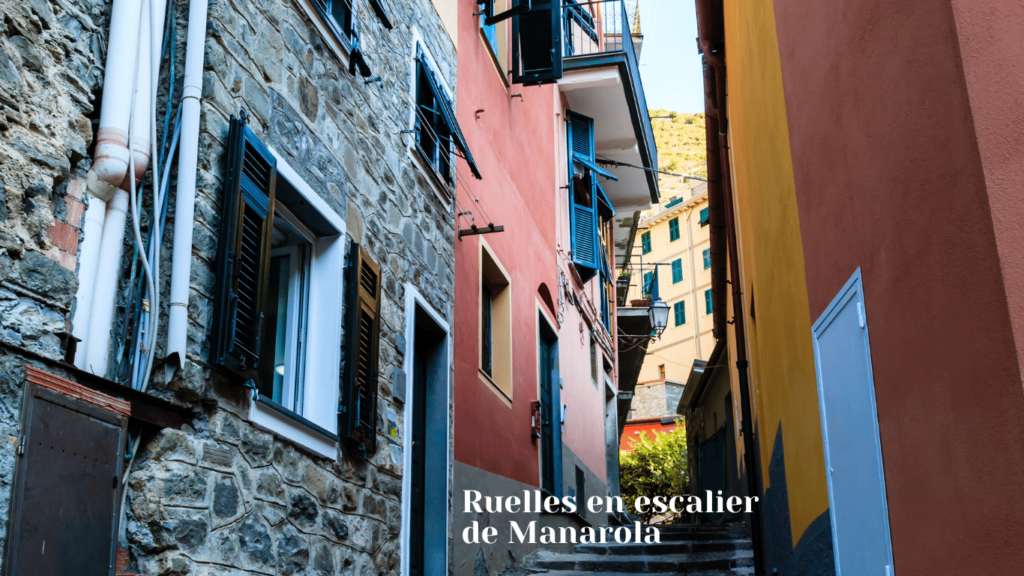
{"x":221,"y":493}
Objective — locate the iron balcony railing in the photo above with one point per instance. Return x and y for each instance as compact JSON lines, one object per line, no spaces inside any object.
{"x":604,"y":27}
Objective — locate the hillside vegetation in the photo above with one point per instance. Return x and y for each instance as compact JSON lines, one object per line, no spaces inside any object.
{"x":680,"y":143}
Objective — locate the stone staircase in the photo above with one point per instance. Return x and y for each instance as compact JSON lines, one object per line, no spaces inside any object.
{"x":687,"y":549}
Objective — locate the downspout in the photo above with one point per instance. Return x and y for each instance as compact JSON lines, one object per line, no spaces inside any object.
{"x":693,"y":280}
{"x":110,"y":160}
{"x":717,"y":144}
{"x":185,"y":200}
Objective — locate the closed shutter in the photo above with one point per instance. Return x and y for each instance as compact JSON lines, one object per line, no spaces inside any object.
{"x":537,"y":44}
{"x":677,"y":271}
{"x":708,"y":307}
{"x":707,"y":258}
{"x":357,"y":420}
{"x":703,"y":217}
{"x":243,"y":253}
{"x":673,"y":230}
{"x":645,"y":242}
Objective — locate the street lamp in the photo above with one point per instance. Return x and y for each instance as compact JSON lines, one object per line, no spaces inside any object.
{"x":658,"y":313}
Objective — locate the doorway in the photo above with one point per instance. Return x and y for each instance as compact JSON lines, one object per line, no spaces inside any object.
{"x":550,"y":408}
{"x":426,"y":443}
{"x":849,"y":424}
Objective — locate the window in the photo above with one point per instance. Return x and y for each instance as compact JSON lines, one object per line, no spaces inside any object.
{"x":707,"y":302}
{"x":593,"y":359}
{"x":589,"y":208}
{"x":679,"y":312}
{"x":673,"y":229}
{"x":645,"y":242}
{"x":285,"y":310}
{"x":495,"y":323}
{"x":496,"y":36}
{"x":435,"y":125}
{"x":703,"y":217}
{"x":707,"y":258}
{"x":661,"y":371}
{"x":486,"y":331}
{"x":280,"y":256}
{"x":677,"y":270}
{"x":650,"y":285}
{"x":337,"y":14}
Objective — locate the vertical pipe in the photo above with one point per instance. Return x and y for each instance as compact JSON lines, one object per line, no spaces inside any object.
{"x":88,"y":259}
{"x":105,"y":294}
{"x":184,"y":207}
{"x":111,"y":158}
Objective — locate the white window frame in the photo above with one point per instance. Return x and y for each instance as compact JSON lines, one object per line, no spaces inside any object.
{"x":337,"y":46}
{"x":321,"y":381}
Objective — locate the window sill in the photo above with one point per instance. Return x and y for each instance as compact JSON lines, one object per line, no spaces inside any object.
{"x":338,"y":45}
{"x":487,"y":380}
{"x":277,"y":419}
{"x":495,"y":60}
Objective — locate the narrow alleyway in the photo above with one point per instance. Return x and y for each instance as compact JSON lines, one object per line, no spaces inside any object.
{"x":690,"y":549}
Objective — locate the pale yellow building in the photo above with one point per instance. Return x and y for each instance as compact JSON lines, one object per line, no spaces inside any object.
{"x":673,"y":238}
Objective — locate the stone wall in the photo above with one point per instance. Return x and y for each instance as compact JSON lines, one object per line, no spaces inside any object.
{"x":51,"y":62}
{"x":222,"y":492}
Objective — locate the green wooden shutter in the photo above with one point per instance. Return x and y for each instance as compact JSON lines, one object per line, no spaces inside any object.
{"x":673,"y":230}
{"x":708,"y":309}
{"x":645,"y":240}
{"x":707,"y":258}
{"x":703,"y":217}
{"x":679,"y":309}
{"x":243,"y":253}
{"x":537,"y":44}
{"x":677,"y":271}
{"x":357,"y":419}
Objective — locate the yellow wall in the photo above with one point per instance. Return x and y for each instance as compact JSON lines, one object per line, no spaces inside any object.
{"x":677,"y":348}
{"x":771,"y":257}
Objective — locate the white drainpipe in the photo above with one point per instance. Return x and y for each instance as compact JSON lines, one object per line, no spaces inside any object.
{"x":105,"y":292}
{"x":88,"y":259}
{"x":185,"y":200}
{"x":111,"y":161}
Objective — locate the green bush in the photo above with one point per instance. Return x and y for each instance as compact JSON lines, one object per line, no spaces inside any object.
{"x":656,"y":467}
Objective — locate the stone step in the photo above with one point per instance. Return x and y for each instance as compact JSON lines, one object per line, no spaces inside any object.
{"x":643,"y":564}
{"x":702,"y":534}
{"x":744,"y":571}
{"x":687,"y":547}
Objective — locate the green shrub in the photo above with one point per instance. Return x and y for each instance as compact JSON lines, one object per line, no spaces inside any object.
{"x":656,"y":467}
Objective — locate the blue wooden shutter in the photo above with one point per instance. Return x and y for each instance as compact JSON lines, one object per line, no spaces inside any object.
{"x":585,"y":251}
{"x":243,"y":252}
{"x":537,"y":44}
{"x":357,"y":419}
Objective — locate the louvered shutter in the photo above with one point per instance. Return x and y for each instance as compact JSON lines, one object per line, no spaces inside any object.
{"x":357,"y":421}
{"x":585,"y":245}
{"x":243,"y":252}
{"x":537,"y":44}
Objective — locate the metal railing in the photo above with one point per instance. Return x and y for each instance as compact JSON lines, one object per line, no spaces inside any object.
{"x":603,"y":27}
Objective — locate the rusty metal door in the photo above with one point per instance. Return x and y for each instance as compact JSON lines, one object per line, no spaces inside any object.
{"x":66,"y":487}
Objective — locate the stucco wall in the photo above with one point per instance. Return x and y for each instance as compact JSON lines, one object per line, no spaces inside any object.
{"x":782,"y":378}
{"x":910,"y":194}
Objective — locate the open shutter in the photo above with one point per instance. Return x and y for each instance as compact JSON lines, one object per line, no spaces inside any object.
{"x":583,"y":228}
{"x":243,"y":252}
{"x":357,"y":420}
{"x":537,"y":44}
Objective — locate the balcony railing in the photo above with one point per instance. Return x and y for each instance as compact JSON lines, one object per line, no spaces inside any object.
{"x":604,"y":27}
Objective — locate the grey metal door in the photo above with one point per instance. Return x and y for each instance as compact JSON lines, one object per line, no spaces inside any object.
{"x":853,"y":450}
{"x":66,"y":488}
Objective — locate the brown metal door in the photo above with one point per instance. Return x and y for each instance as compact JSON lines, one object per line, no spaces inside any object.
{"x":66,"y":492}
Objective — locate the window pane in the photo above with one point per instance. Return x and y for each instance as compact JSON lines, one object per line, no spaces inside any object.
{"x":342,"y":15}
{"x":486,"y":331}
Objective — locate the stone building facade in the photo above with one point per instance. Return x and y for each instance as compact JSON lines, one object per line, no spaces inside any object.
{"x":221,"y":491}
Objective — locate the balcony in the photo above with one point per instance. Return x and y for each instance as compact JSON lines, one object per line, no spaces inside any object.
{"x":601,"y":79}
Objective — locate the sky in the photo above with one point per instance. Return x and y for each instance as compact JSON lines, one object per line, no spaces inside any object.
{"x":670,"y":67}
